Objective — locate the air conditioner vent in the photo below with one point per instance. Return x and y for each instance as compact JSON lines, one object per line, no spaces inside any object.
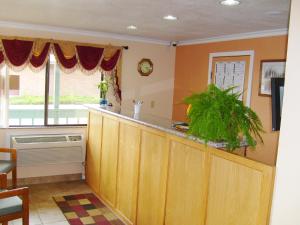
{"x":49,"y":149}
{"x":75,"y":138}
{"x":40,"y":139}
{"x":42,"y":154}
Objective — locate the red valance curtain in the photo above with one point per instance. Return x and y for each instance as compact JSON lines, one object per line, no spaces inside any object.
{"x":109,"y":64}
{"x":18,"y":53}
{"x":1,"y":57}
{"x":89,"y":57}
{"x":65,"y":62}
{"x":40,"y":59}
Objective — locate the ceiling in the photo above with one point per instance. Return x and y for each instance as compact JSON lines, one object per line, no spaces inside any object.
{"x":197,"y":19}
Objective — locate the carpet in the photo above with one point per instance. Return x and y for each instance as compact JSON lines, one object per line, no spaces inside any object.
{"x":83,"y":209}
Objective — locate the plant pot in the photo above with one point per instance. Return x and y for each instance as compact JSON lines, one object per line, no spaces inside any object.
{"x":103,"y":102}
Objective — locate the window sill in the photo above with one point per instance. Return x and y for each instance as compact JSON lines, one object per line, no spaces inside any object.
{"x":45,"y":127}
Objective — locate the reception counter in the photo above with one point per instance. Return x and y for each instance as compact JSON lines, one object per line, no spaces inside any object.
{"x":150,"y":174}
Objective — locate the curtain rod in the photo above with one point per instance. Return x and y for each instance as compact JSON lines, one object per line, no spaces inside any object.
{"x":126,"y":47}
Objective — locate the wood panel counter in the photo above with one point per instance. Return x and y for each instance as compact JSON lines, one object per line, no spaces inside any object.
{"x":151,"y":174}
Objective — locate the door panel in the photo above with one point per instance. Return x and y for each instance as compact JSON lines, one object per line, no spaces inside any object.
{"x":129,"y":144}
{"x":186,"y":185}
{"x":152,"y":181}
{"x":234,"y":194}
{"x":94,"y":150}
{"x":109,"y":160}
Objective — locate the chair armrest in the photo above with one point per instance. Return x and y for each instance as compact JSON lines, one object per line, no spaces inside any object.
{"x":12,"y":151}
{"x":23,"y":192}
{"x":3,"y":180}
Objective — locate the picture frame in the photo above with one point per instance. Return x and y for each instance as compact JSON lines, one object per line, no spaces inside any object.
{"x":269,"y":69}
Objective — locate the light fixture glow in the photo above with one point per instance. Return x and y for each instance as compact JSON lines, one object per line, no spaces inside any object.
{"x":131,"y":27}
{"x":230,"y":2}
{"x":273,"y":13}
{"x":170,"y":17}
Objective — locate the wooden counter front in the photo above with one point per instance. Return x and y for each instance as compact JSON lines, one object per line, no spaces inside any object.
{"x":150,"y":177}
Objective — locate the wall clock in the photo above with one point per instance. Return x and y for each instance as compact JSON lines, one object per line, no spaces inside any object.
{"x":145,"y":67}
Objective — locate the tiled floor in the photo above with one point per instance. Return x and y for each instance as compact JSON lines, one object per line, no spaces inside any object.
{"x":43,"y":209}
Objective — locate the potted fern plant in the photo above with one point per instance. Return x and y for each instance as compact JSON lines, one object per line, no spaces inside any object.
{"x":219,"y":116}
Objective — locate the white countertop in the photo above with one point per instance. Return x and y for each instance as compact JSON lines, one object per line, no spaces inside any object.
{"x":152,"y":121}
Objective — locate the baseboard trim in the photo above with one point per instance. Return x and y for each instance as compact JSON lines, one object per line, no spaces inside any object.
{"x":47,"y":179}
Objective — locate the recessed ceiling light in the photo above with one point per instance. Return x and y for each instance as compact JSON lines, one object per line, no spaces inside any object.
{"x":273,"y":13}
{"x":131,"y":27}
{"x":170,"y":17}
{"x":230,"y":2}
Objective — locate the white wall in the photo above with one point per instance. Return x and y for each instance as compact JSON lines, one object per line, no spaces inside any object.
{"x":157,"y":87}
{"x":286,"y":200}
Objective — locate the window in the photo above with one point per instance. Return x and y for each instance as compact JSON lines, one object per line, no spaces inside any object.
{"x":47,"y":97}
{"x":26,"y":97}
{"x":67,"y":94}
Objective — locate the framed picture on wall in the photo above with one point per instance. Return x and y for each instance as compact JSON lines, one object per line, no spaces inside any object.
{"x":268,"y":70}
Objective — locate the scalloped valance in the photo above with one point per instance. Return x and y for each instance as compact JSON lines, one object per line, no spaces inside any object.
{"x":17,"y":53}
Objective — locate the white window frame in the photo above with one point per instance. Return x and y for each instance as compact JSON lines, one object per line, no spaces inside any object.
{"x":235,"y":53}
{"x":4,"y":88}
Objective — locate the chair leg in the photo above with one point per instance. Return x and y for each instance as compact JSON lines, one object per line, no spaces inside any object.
{"x":25,"y":217}
{"x":14,"y":178}
{"x":3,"y":181}
{"x":25,"y":220}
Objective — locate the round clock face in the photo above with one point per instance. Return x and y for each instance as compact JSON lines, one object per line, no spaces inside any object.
{"x":145,"y":67}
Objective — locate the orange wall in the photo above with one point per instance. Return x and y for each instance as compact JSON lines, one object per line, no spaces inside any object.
{"x":191,"y":69}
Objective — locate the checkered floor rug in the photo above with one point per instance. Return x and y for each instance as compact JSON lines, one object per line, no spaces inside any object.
{"x":86,"y":209}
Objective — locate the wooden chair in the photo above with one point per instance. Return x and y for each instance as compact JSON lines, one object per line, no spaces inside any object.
{"x":14,"y":204}
{"x":10,"y":165}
